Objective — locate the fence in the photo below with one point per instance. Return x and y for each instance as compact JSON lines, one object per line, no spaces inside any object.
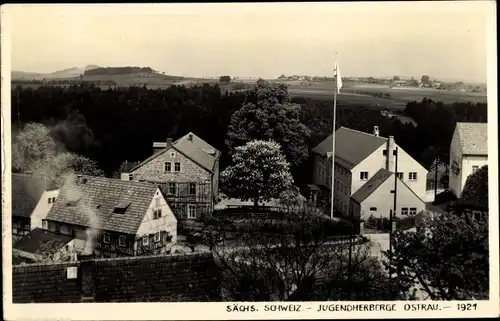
{"x":383,"y":224}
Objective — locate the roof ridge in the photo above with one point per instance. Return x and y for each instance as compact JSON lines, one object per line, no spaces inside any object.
{"x":362,"y":132}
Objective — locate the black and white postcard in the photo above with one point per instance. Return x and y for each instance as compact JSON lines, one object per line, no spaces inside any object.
{"x":249,"y":160}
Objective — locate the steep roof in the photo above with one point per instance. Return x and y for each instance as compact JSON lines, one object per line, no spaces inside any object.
{"x":351,"y":145}
{"x":26,"y":192}
{"x":473,"y":138}
{"x":42,"y":240}
{"x":191,"y":146}
{"x":371,"y":186}
{"x":100,"y":196}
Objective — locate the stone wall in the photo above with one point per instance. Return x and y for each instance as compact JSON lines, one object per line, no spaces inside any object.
{"x":162,"y":278}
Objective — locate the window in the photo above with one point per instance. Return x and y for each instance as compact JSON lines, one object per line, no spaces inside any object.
{"x":474,"y":169}
{"x":400,"y":175}
{"x":404,"y":211}
{"x":413,"y":211}
{"x":50,"y":200}
{"x":168,"y":167}
{"x":373,"y":209}
{"x":191,"y":211}
{"x":44,"y":225}
{"x":157,"y":214}
{"x":412,"y":176}
{"x":65,"y":230}
{"x":192,"y":188}
{"x":363,"y":176}
{"x":385,"y":152}
{"x":145,"y":240}
{"x":172,"y":188}
{"x":177,"y":167}
{"x":122,"y":240}
{"x":106,"y":237}
{"x":157,"y":236}
{"x":130,"y":177}
{"x":157,"y":202}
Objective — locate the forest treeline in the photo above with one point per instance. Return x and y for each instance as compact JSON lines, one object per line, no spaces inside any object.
{"x":118,"y":124}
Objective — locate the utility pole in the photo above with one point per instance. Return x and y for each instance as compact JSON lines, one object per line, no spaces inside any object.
{"x":436,"y":177}
{"x":393,"y":212}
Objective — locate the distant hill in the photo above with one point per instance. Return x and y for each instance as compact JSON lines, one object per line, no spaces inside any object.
{"x":118,"y":71}
{"x":73,"y":72}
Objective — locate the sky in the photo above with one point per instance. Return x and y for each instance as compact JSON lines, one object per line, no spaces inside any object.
{"x":443,"y":40}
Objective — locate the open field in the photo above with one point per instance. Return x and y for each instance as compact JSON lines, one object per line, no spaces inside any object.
{"x":351,"y":93}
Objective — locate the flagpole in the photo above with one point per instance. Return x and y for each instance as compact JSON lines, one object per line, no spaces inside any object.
{"x":333,"y":136}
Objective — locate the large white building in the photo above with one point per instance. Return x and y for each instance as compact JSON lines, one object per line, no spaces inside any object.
{"x":359,"y":156}
{"x":468,"y":153}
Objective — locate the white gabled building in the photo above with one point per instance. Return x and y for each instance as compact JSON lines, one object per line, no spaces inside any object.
{"x":358,"y":158}
{"x":468,"y":153}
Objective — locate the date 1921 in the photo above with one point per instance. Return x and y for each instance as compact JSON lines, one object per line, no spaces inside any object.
{"x":467,"y":306}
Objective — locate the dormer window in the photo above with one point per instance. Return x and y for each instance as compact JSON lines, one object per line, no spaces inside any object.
{"x":121,"y":207}
{"x":73,"y":202}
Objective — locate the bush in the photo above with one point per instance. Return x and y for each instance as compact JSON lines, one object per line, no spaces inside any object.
{"x":444,"y":197}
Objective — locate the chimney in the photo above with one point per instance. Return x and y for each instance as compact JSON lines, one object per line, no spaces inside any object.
{"x":190,"y":137}
{"x":390,"y":157}
{"x":375,"y":131}
{"x":169,"y":143}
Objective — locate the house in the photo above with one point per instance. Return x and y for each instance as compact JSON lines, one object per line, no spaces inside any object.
{"x":40,"y":244}
{"x":468,"y":153}
{"x":358,"y":157}
{"x":111,"y":217}
{"x":186,"y":170}
{"x":376,"y":198}
{"x":32,"y":198}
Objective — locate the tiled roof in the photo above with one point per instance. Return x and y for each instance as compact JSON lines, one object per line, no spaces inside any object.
{"x":41,"y":240}
{"x":352,"y":146}
{"x":475,"y":192}
{"x":195,"y":149}
{"x":473,"y":138}
{"x":371,"y":186}
{"x":26,"y":192}
{"x":100,"y":195}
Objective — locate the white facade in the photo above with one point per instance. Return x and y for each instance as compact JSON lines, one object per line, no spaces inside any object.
{"x":167,"y":221}
{"x":380,"y":203}
{"x":42,"y":208}
{"x":462,"y":165}
{"x":412,"y":173}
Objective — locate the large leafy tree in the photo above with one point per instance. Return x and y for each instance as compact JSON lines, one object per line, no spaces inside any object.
{"x":259,"y":172}
{"x":35,"y":150}
{"x":268,"y":113}
{"x":446,"y":258}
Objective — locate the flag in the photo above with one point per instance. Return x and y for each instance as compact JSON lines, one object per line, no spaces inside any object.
{"x":338,"y":78}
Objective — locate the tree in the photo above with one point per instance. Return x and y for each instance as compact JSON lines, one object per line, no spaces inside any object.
{"x":34,"y":150}
{"x":446,"y":257}
{"x":225,"y":79}
{"x":259,"y":172}
{"x":396,"y":78}
{"x":269,"y":114}
{"x":475,"y":190}
{"x":32,"y":144}
{"x":425,"y":80}
{"x":299,"y":263}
